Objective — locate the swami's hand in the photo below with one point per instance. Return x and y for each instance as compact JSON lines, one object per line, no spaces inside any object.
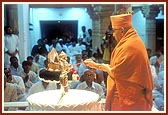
{"x":91,"y":63}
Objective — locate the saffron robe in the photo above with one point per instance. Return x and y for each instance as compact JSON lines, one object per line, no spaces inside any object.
{"x":129,"y":84}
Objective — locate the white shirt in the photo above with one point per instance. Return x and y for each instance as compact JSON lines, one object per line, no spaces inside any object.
{"x":59,"y":48}
{"x":161,"y":68}
{"x":11,"y":43}
{"x":40,"y":62}
{"x":19,"y":83}
{"x":160,"y":81}
{"x":35,"y":67}
{"x":154,"y":75}
{"x":15,"y":71}
{"x":38,"y":87}
{"x":47,"y":47}
{"x":97,"y":88}
{"x":33,"y":78}
{"x":81,"y":47}
{"x":84,"y":39}
{"x":72,"y":52}
{"x":158,"y":92}
{"x":10,"y":92}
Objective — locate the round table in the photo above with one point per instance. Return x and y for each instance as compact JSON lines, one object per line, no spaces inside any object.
{"x":74,"y":100}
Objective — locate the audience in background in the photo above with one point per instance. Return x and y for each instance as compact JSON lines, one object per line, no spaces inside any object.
{"x":39,"y":59}
{"x":53,"y":44}
{"x":10,"y":91}
{"x":149,"y":51}
{"x":78,"y":62}
{"x":60,"y":46}
{"x":90,"y":85}
{"x":89,"y":37}
{"x":11,"y":46}
{"x":39,"y":49}
{"x":80,"y":45}
{"x":34,"y":66}
{"x":45,"y":43}
{"x":84,"y":35}
{"x":73,"y":50}
{"x":42,"y":86}
{"x":18,"y":81}
{"x":15,"y":67}
{"x":158,"y":91}
{"x":10,"y":94}
{"x":29,"y":77}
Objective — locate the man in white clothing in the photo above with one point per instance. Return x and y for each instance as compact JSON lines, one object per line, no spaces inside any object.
{"x":73,"y":50}
{"x":15,"y":67}
{"x":84,"y":35}
{"x":34,"y":65}
{"x":29,"y":77}
{"x":18,"y":81}
{"x":80,"y":46}
{"x":10,"y":91}
{"x":42,"y":86}
{"x":39,"y":60}
{"x":89,"y":84}
{"x":11,"y":46}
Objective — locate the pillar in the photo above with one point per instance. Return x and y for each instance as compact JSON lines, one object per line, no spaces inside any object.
{"x":150,"y":12}
{"x":23,"y":19}
{"x":94,"y":12}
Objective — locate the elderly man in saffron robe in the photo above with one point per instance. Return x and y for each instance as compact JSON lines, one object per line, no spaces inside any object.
{"x":129,"y":82}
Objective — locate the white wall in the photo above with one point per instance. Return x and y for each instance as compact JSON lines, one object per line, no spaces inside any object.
{"x":139,"y":23}
{"x":42,"y":14}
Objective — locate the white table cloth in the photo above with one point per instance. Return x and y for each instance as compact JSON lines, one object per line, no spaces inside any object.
{"x":74,"y":100}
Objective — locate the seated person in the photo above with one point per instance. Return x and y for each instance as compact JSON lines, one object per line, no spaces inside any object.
{"x":78,"y":61}
{"x":18,"y":81}
{"x":10,"y":92}
{"x":39,"y":60}
{"x":89,"y":84}
{"x":73,"y":50}
{"x":29,"y":77}
{"x":39,"y":48}
{"x":80,"y":45}
{"x":15,"y":67}
{"x":34,"y":66}
{"x":99,"y":78}
{"x":158,"y":92}
{"x":42,"y":86}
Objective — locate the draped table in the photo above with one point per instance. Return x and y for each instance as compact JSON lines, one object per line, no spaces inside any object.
{"x":74,"y":100}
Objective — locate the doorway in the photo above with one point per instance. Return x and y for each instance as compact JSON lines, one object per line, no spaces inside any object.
{"x":159,"y":34}
{"x":58,"y":29}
